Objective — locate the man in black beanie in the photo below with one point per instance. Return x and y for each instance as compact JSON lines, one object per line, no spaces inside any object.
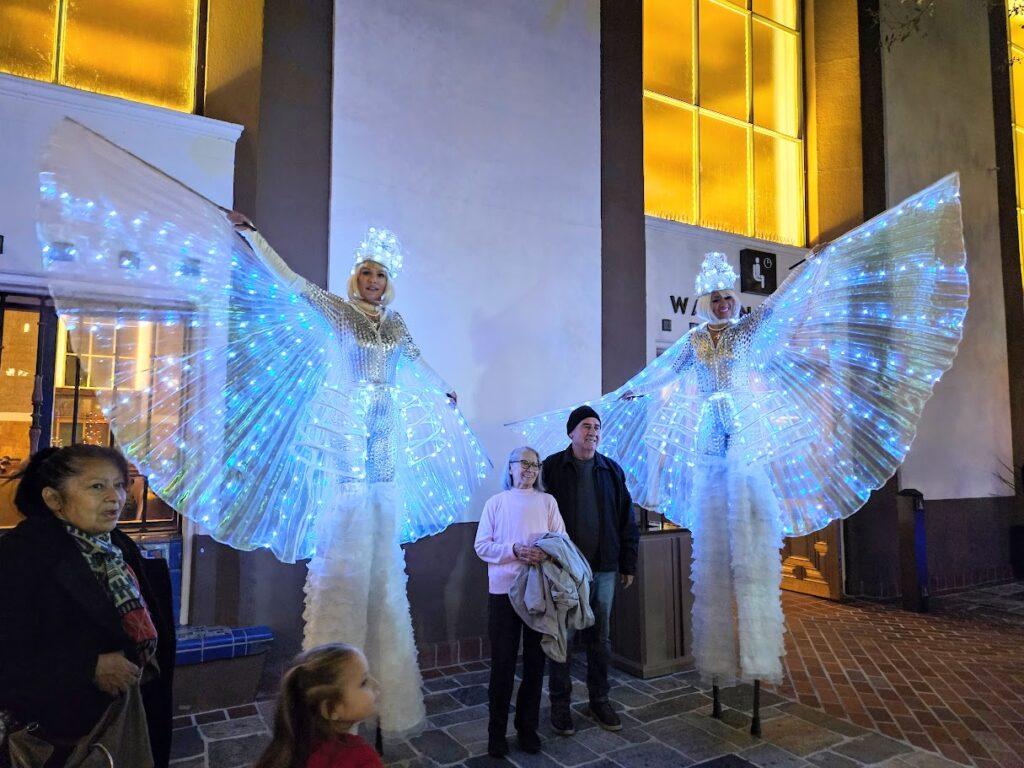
{"x":598,"y":511}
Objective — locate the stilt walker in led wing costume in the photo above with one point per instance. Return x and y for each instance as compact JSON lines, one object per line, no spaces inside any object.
{"x":267,"y":410}
{"x":771,"y":425}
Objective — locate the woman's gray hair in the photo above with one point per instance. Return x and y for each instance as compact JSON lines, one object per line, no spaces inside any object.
{"x":517,"y":453}
{"x":703,"y":308}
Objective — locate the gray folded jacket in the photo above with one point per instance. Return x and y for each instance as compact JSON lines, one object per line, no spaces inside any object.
{"x":554,"y":596}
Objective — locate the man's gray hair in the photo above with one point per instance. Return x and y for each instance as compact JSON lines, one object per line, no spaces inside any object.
{"x":517,"y":453}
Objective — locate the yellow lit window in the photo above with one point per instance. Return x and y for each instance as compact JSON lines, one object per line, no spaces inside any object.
{"x":112,"y":355}
{"x":115,"y":356}
{"x":1015,"y":33}
{"x":723,"y":118}
{"x":141,"y":50}
{"x":28,"y":38}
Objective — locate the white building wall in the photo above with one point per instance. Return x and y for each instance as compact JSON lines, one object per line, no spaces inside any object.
{"x":471,"y":128}
{"x":938,"y":119}
{"x":675,"y":253}
{"x":195,"y":150}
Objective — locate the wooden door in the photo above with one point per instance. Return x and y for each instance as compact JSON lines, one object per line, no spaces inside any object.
{"x":812,"y":564}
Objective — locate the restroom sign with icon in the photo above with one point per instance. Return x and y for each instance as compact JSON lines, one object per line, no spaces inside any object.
{"x":758,"y":272}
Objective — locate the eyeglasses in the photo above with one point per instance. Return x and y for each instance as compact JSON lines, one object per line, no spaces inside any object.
{"x":525,"y":464}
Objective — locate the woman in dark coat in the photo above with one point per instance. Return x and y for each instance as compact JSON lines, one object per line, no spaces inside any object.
{"x":83,"y":616}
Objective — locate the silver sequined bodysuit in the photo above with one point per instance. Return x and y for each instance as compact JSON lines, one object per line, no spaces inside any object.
{"x":352,"y":431}
{"x":723,"y":381}
{"x":372,"y":351}
{"x":372,"y":348}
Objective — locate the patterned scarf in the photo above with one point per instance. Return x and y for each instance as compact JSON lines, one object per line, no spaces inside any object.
{"x":107,"y":563}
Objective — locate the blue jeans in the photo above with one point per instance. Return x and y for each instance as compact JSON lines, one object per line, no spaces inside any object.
{"x":597,"y":641}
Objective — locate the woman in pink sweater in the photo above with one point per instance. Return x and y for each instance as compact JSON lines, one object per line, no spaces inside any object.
{"x":511,"y":522}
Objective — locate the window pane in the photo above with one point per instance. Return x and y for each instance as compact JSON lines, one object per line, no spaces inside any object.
{"x":723,"y":63}
{"x":668,"y":48}
{"x":723,"y":175}
{"x":1017,"y":85}
{"x":101,"y":372}
{"x":126,"y":372}
{"x":1015,"y":23}
{"x":780,"y":11}
{"x":778,"y":190}
{"x":69,"y":370}
{"x":1020,"y":237}
{"x":127,"y":338}
{"x":157,"y":510}
{"x":102,"y":339}
{"x":18,"y":380}
{"x":134,"y":503}
{"x":143,"y":50}
{"x":92,"y":427}
{"x":27,"y":37}
{"x":1018,"y":144}
{"x":776,"y":79}
{"x":668,"y":161}
{"x":169,"y":339}
{"x":172,"y":386}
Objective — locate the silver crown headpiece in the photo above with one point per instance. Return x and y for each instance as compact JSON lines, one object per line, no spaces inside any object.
{"x":716,"y":274}
{"x":382,"y":246}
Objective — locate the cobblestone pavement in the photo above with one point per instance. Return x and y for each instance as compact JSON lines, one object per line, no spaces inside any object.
{"x":1002,"y":604}
{"x":951,"y":681}
{"x":867,"y":684}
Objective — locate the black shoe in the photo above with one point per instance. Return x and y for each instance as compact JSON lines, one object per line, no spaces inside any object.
{"x":497,"y":746}
{"x":561,"y":721}
{"x":529,"y":742}
{"x":605,"y":716}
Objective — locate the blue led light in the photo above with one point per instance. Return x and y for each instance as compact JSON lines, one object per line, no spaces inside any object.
{"x":237,"y":385}
{"x":826,"y":392}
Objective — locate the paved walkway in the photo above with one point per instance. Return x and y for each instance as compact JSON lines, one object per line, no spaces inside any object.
{"x":951,"y":681}
{"x":866,"y":685}
{"x":1003,"y":604}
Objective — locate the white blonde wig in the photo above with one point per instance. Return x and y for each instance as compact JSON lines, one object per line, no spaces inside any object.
{"x":353,"y":283}
{"x":703,"y":309}
{"x":517,"y":453}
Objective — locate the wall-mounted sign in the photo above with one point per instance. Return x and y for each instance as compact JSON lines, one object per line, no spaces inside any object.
{"x":758,"y":272}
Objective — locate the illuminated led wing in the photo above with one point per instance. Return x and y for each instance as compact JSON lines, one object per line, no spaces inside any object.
{"x":845,"y":355}
{"x":857,"y":339}
{"x":440,"y":461}
{"x":664,"y":393}
{"x":213,"y":371}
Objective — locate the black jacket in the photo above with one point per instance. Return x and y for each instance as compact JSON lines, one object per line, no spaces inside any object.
{"x":619,"y":537}
{"x":56,"y":618}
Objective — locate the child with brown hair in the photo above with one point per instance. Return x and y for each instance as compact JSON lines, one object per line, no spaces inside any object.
{"x":326,"y":692}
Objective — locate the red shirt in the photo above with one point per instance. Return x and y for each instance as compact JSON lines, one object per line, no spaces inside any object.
{"x":346,"y":751}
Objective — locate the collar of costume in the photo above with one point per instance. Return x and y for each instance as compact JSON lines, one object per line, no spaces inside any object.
{"x":369,"y":308}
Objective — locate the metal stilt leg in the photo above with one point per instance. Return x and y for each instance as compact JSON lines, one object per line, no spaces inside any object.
{"x":716,"y":706}
{"x":755,"y":717}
